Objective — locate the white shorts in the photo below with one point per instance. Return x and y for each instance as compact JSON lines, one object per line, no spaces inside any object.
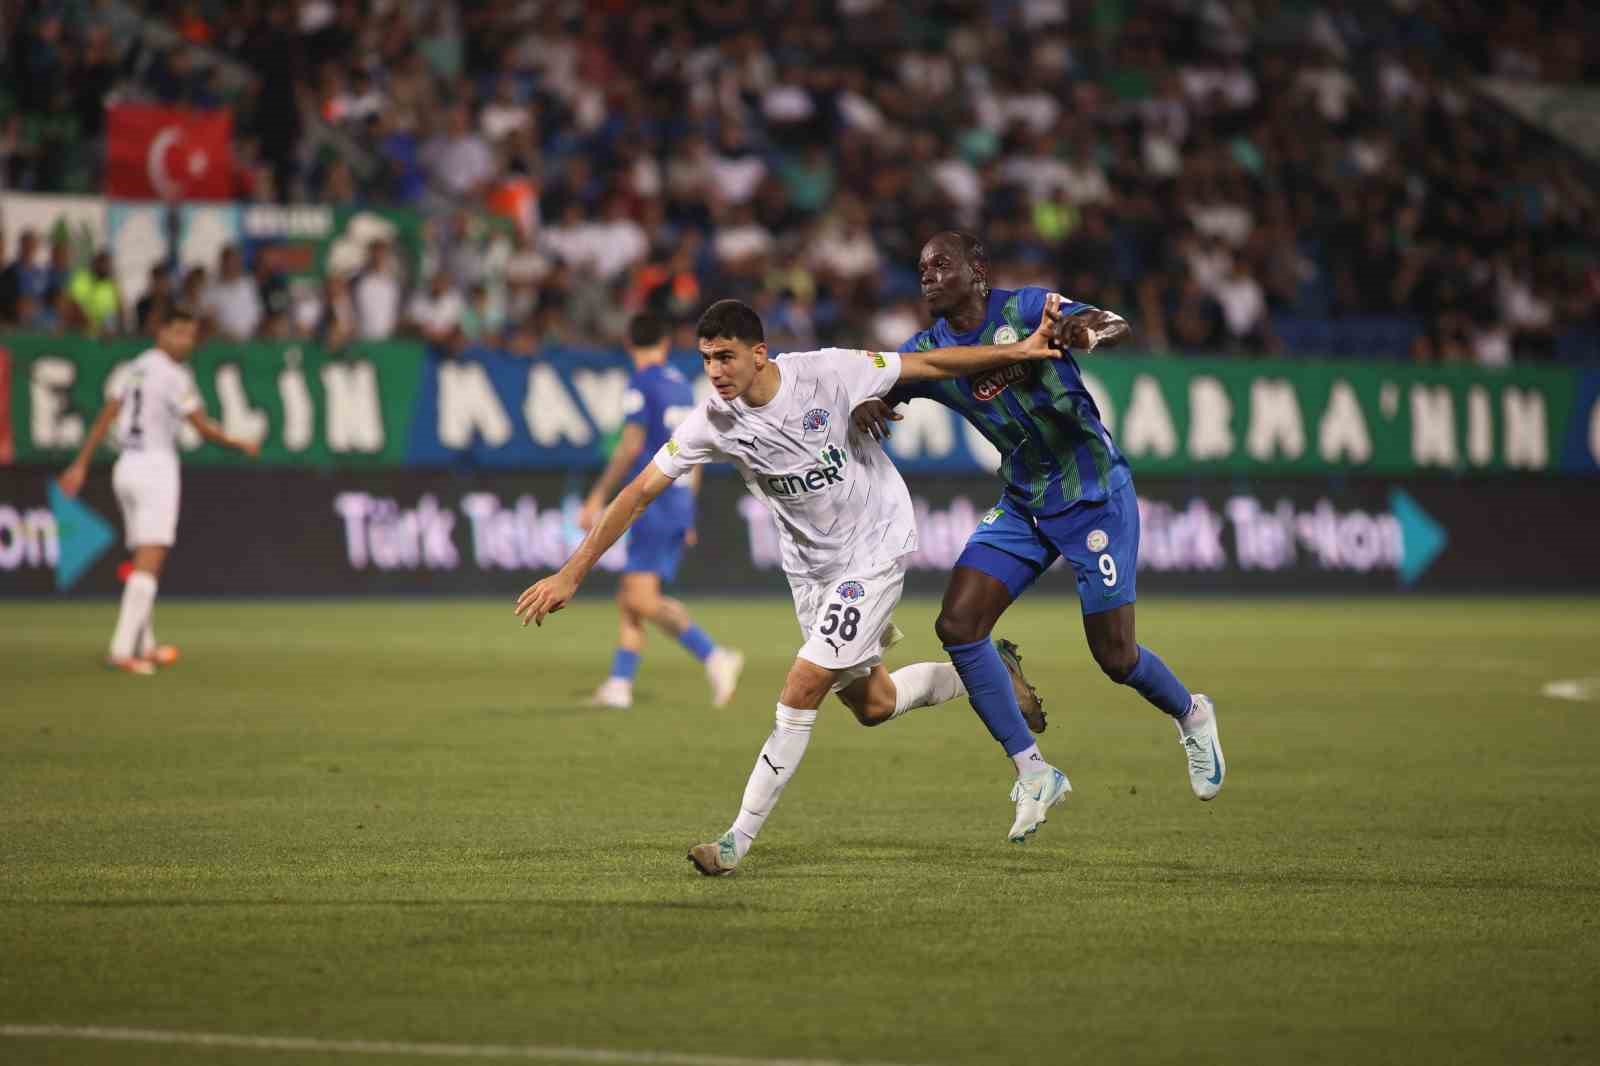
{"x":146,"y":484}
{"x":846,"y":620}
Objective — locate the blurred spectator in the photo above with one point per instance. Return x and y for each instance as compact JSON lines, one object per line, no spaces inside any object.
{"x":1193,"y":318}
{"x":457,"y":243}
{"x":506,"y":113}
{"x":152,"y":307}
{"x":277,"y":303}
{"x":435,"y":312}
{"x":338,"y":323}
{"x":23,"y":279}
{"x":480,"y":319}
{"x":58,"y":274}
{"x":95,"y":301}
{"x":736,"y":171}
{"x":895,"y":322}
{"x":193,"y":291}
{"x":844,"y":253}
{"x":622,"y":241}
{"x":525,"y":270}
{"x":459,"y":161}
{"x":1244,"y":310}
{"x":232,"y":304}
{"x":376,"y":294}
{"x":668,"y":285}
{"x":742,"y":244}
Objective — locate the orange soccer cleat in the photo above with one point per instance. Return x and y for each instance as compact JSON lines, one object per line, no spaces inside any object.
{"x":142,"y":667}
{"x":165,"y":655}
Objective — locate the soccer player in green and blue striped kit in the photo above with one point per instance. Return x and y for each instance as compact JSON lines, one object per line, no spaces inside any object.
{"x":1068,"y":492}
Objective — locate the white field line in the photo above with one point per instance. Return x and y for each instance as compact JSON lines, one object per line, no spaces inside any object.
{"x":525,"y":1052}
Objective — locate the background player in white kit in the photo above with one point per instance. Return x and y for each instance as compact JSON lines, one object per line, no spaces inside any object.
{"x":844,"y":519}
{"x":155,"y":397}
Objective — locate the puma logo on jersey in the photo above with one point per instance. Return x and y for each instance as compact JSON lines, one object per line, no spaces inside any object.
{"x":995,"y":382}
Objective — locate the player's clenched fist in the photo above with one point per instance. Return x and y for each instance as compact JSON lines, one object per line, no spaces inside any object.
{"x":1087,"y":330}
{"x":545,"y":597}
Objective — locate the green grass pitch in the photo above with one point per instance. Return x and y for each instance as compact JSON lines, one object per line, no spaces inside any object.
{"x":396,"y":821}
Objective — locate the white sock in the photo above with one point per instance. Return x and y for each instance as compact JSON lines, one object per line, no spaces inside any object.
{"x":780,"y":757}
{"x":138,"y":600}
{"x":146,"y":644}
{"x":1197,"y":718}
{"x":924,"y":685}
{"x":1029,"y":761}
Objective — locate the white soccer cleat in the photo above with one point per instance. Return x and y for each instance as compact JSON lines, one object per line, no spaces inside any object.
{"x":719,"y":858}
{"x":1198,"y":732}
{"x":723,"y":668}
{"x":1034,"y":795}
{"x":613,"y":692}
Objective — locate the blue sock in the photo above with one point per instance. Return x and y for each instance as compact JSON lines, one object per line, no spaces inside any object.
{"x":625,"y":664}
{"x":990,"y":692}
{"x":699,"y":644}
{"x":1155,"y":682}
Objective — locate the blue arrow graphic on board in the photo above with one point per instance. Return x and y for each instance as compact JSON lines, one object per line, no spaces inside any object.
{"x":1421,"y":538}
{"x":82,"y":536}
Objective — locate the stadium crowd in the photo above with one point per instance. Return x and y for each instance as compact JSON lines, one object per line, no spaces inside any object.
{"x":1241,"y":176}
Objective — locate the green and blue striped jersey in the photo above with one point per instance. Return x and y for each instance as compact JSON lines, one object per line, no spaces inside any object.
{"x":1054,"y":449}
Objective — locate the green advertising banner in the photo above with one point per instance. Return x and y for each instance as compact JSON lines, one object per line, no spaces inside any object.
{"x":306,"y":406}
{"x":391,"y":404}
{"x":1289,"y":417}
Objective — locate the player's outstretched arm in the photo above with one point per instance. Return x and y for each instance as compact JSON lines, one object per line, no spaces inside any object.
{"x":554,"y":592}
{"x":939,"y":364}
{"x":629,"y":445}
{"x":217,"y":435}
{"x":72,"y":477}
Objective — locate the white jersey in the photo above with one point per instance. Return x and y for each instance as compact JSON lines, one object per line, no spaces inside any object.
{"x":158,"y":393}
{"x":839,"y":502}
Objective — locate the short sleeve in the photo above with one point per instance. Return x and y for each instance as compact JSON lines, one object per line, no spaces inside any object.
{"x":690,"y":445}
{"x":911,"y":390}
{"x":635,"y":411}
{"x":866,"y":375}
{"x":1030,"y":304}
{"x":185,"y":394}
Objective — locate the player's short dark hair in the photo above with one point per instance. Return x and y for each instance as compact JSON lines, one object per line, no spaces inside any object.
{"x":646,"y":330}
{"x":731,"y":319}
{"x":178,"y":313}
{"x":972,"y":248}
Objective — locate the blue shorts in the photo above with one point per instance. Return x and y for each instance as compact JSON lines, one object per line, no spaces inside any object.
{"x":655,"y":546}
{"x":1100,"y":540}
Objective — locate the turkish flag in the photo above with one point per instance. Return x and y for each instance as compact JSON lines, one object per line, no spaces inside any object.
{"x":168,"y":153}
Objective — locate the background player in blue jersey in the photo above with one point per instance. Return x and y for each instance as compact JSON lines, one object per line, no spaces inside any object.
{"x":658,"y":398}
{"x":1069,"y":492}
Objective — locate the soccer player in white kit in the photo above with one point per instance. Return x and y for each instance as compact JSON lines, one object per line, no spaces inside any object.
{"x":844,"y":519}
{"x":155,"y":397}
